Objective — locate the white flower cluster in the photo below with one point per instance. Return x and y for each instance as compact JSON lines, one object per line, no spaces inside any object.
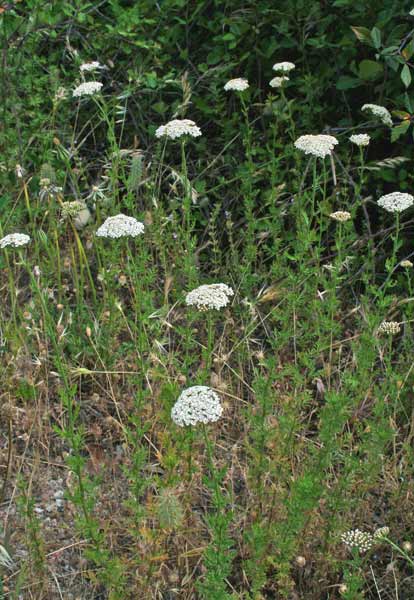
{"x":396,"y":202}
{"x":285,"y":66}
{"x":72,"y":209}
{"x":120,"y":226}
{"x":389,"y":327}
{"x":360,"y":139}
{"x":15,"y":240}
{"x":197,"y":404}
{"x":355,"y":538}
{"x":277,"y":82}
{"x":381,"y":532}
{"x":90,"y":66}
{"x":88,"y":88}
{"x":177,"y":128}
{"x":407,"y":264}
{"x":238,"y":85}
{"x":340,"y":215}
{"x":379,"y":111}
{"x":205,"y":297}
{"x":317,"y":145}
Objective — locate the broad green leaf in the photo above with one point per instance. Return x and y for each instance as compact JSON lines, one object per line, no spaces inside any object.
{"x":406,"y":75}
{"x":347,"y":83}
{"x":376,"y":37}
{"x":399,"y":130}
{"x":363,"y":34}
{"x":370,"y":70}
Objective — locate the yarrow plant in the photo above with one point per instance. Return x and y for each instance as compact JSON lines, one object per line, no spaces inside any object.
{"x":284,"y":67}
{"x":396,"y":202}
{"x":120,"y":226}
{"x":379,"y":111}
{"x":88,"y":88}
{"x":389,"y":327}
{"x":15,"y":240}
{"x":277,"y":82}
{"x":340,"y":215}
{"x":317,"y":145}
{"x":178,"y":128}
{"x":238,"y":85}
{"x":197,"y":404}
{"x":360,"y":139}
{"x":72,"y":209}
{"x":355,"y":538}
{"x":90,"y":66}
{"x":213,"y":296}
{"x":406,"y":264}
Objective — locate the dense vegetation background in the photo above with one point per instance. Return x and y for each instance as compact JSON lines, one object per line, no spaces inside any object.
{"x":103,"y":496}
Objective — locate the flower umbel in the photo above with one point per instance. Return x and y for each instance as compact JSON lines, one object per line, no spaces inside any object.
{"x":177,"y":128}
{"x":317,"y":145}
{"x":381,"y":533}
{"x":213,"y":296}
{"x":340,"y":215}
{"x":360,"y":139}
{"x":396,"y":202}
{"x":284,"y":67}
{"x":355,"y":538}
{"x":379,"y":111}
{"x":277,"y":82}
{"x":120,"y":226}
{"x":238,"y":85}
{"x":407,"y":264}
{"x":197,"y":404}
{"x":88,"y":88}
{"x":15,"y":240}
{"x":90,"y":66}
{"x":389,"y":327}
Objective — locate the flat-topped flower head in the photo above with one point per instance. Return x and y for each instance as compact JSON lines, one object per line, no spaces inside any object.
{"x":15,"y":240}
{"x":379,"y":111}
{"x":213,"y":296}
{"x":120,"y":226}
{"x":177,"y":128}
{"x":389,"y":327}
{"x":406,"y":264}
{"x":396,"y":202}
{"x":94,"y":65}
{"x":360,"y":139}
{"x":277,"y":82}
{"x":238,"y":85}
{"x":355,"y":538}
{"x":197,"y":404}
{"x":341,"y":216}
{"x":317,"y":145}
{"x":87,"y":88}
{"x":283,"y":67}
{"x":72,"y":209}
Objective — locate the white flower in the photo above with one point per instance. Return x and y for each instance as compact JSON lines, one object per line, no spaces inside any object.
{"x":318,"y":145}
{"x":90,"y":66}
{"x":88,"y":88}
{"x":177,"y":128}
{"x":381,"y":532}
{"x":389,"y":327}
{"x":340,"y":215}
{"x":197,"y":404}
{"x":355,"y":538}
{"x":360,"y":139}
{"x":238,"y":85}
{"x":15,"y":240}
{"x":407,"y":264}
{"x":396,"y":202}
{"x":285,"y":67}
{"x":120,"y":226}
{"x":215,"y":295}
{"x":72,"y":209}
{"x":277,"y":82}
{"x":379,"y":111}
{"x":411,"y":12}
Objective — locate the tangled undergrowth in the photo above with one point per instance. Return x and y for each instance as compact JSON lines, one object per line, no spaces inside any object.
{"x":207,"y":375}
